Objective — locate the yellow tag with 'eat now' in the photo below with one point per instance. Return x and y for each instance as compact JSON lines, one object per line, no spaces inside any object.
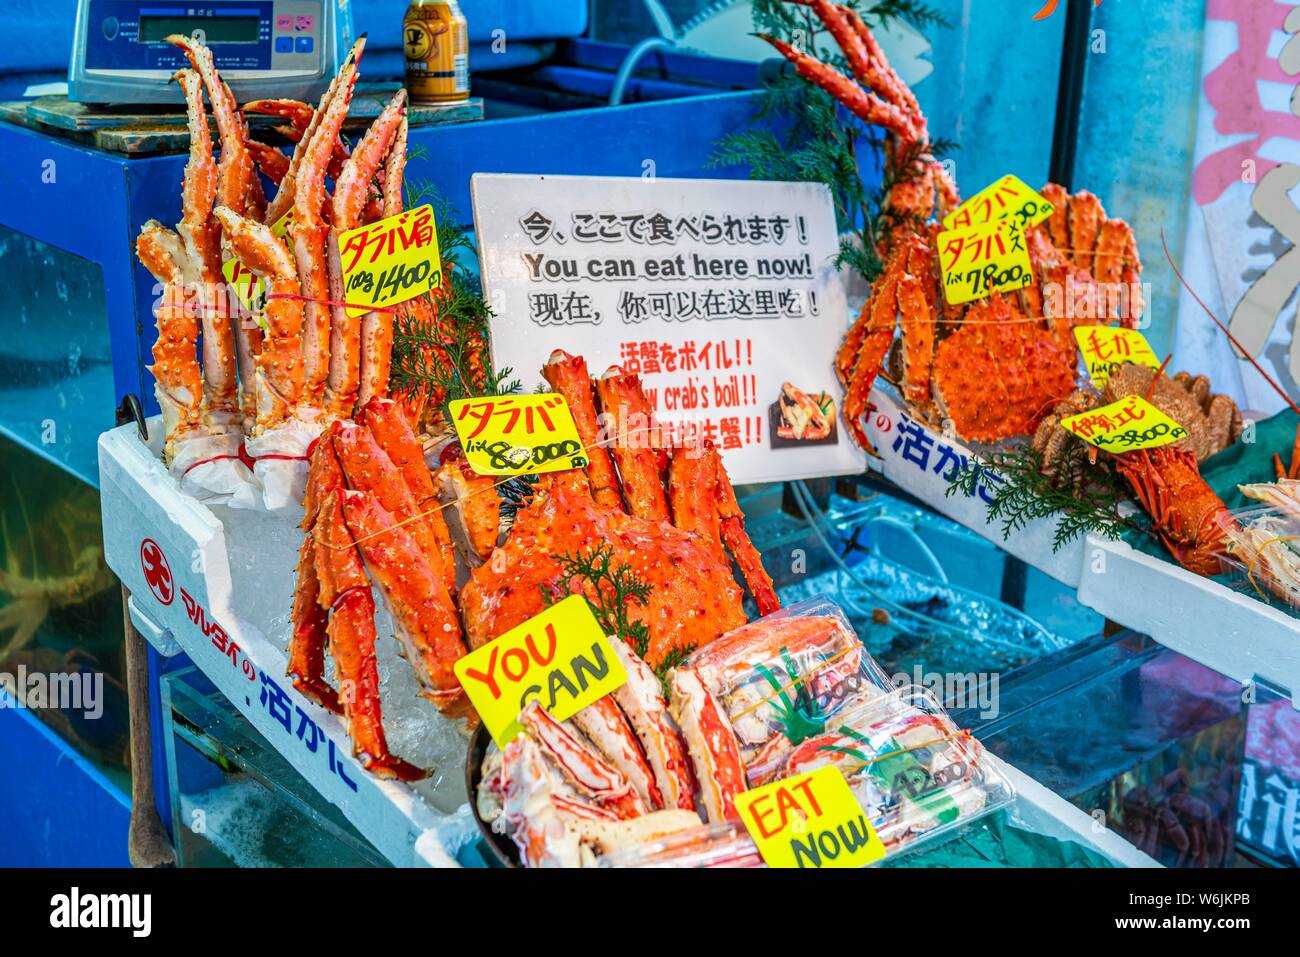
{"x":1008,"y":197}
{"x":982,"y":260}
{"x":1106,"y":348}
{"x":809,"y":820}
{"x":249,"y":289}
{"x":561,"y":657}
{"x":390,"y":261}
{"x":518,"y":434}
{"x":1130,"y":424}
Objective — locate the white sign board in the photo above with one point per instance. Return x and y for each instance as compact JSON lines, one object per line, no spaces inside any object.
{"x":720,"y":294}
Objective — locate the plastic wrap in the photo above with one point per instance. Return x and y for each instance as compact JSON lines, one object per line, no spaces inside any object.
{"x":782,"y":678}
{"x":1263,"y":553}
{"x":916,"y":775}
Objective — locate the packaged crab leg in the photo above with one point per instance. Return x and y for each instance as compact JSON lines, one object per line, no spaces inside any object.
{"x":915,"y":774}
{"x":781,"y":679}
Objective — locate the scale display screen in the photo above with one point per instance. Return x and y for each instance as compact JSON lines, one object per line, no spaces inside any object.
{"x":156,"y":29}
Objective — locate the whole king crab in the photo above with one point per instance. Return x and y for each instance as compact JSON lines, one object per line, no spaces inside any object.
{"x":992,"y":368}
{"x":374,"y":513}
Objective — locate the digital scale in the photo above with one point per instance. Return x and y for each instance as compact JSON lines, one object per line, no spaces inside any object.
{"x":262,"y":48}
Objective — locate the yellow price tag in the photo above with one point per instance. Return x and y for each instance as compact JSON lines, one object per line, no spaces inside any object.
{"x":560,"y":657}
{"x":982,"y":260}
{"x":809,"y":820}
{"x":249,"y":289}
{"x":1106,"y":348}
{"x":518,"y":434}
{"x":390,"y":261}
{"x":1008,"y":197}
{"x":1130,"y":424}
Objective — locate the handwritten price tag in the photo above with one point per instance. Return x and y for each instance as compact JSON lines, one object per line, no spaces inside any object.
{"x":1106,"y":348}
{"x":249,"y":289}
{"x":982,"y":260}
{"x":809,"y":820}
{"x":518,"y":434}
{"x":1008,"y":197}
{"x":390,"y":261}
{"x":560,"y":657}
{"x":1130,"y":424}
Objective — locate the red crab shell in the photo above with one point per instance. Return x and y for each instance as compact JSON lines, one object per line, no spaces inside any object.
{"x":995,"y":376}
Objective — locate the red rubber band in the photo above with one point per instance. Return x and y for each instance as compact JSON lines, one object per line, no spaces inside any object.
{"x":215,"y":458}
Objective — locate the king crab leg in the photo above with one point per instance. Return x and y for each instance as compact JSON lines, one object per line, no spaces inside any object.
{"x":309,"y":232}
{"x":377,"y":327}
{"x":568,"y":376}
{"x":628,"y":420}
{"x":279,"y":364}
{"x":202,"y":237}
{"x":178,"y":382}
{"x":345,"y":593}
{"x":350,"y":195}
{"x":237,"y":184}
{"x":283,"y":201}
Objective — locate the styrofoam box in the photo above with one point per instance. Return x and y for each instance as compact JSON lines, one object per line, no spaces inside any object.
{"x":214,"y":617}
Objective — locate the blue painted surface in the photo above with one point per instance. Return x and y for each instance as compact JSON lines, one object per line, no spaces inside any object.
{"x":55,"y":808}
{"x":1137,"y":132}
{"x":993,"y":89}
{"x":41,"y":48}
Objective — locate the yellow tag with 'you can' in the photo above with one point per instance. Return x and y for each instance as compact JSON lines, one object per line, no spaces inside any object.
{"x":518,"y":434}
{"x":1106,"y":348}
{"x":390,"y":261}
{"x":561,"y":657}
{"x":809,"y":820}
{"x":1009,"y":197}
{"x":1127,"y":425}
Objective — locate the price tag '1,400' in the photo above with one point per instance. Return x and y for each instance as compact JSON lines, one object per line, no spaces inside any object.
{"x":809,"y":820}
{"x":390,"y":261}
{"x":1127,"y":425}
{"x":1009,"y":197}
{"x":561,"y":657}
{"x":982,"y":260}
{"x":518,"y":434}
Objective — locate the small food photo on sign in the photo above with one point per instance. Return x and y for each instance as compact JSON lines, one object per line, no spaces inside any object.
{"x":802,"y":418}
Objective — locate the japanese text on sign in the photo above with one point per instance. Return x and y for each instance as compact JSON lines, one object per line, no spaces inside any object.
{"x":721,"y":295}
{"x":390,"y":261}
{"x":249,"y":289}
{"x":561,"y":657}
{"x":1130,"y":424}
{"x":1008,"y":197}
{"x":1106,"y":348}
{"x":809,"y":820}
{"x":518,"y":434}
{"x":982,"y":260}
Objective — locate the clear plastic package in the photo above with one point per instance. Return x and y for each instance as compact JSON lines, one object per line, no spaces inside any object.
{"x":1263,"y":553}
{"x":784,"y":678}
{"x":915,"y":774}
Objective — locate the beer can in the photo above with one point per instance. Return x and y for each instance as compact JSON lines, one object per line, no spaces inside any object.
{"x":435,"y":38}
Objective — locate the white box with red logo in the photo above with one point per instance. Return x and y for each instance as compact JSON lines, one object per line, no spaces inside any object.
{"x":203,"y":586}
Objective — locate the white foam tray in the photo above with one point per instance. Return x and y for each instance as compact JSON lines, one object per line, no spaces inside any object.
{"x":1226,"y":630}
{"x":141,"y":501}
